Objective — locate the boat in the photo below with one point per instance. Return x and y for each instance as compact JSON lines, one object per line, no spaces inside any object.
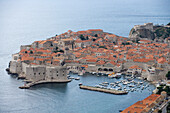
{"x":80,"y":84}
{"x":125,"y":83}
{"x":71,"y":77}
{"x":119,"y":88}
{"x":112,"y":83}
{"x":141,"y":82}
{"x":129,"y":79}
{"x":97,"y":86}
{"x":131,"y":85}
{"x":80,"y":73}
{"x":77,"y":78}
{"x":105,"y":83}
{"x":112,"y":75}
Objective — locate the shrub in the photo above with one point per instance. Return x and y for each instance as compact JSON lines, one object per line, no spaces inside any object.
{"x":96,"y":35}
{"x":82,"y":37}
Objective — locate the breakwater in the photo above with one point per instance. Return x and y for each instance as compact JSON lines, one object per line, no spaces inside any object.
{"x":112,"y":91}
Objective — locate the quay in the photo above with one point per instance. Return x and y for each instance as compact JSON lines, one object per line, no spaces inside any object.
{"x":28,"y":85}
{"x":112,"y":91}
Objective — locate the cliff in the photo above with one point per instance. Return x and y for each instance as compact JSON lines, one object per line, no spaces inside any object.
{"x":152,"y":32}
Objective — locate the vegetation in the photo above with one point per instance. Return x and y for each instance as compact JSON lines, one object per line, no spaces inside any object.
{"x":96,"y":35}
{"x":162,"y":32}
{"x":31,"y":52}
{"x":56,"y":48}
{"x":102,"y":47}
{"x":163,"y":88}
{"x":82,"y":37}
{"x":94,"y":39}
{"x":127,"y":43}
{"x":168,"y":75}
{"x":168,"y":24}
{"x":160,"y":111}
{"x":62,"y":51}
{"x":159,"y":32}
{"x":168,"y":108}
{"x":87,"y":38}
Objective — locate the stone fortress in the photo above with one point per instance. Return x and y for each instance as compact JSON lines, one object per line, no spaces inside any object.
{"x":145,"y":26}
{"x":36,"y":73}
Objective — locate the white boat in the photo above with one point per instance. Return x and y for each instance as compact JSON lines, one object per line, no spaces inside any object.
{"x":105,"y":83}
{"x":71,"y":77}
{"x":112,"y":83}
{"x":80,"y":73}
{"x":125,"y":83}
{"x":97,"y":86}
{"x":77,"y":78}
{"x":80,"y":84}
{"x":131,"y":85}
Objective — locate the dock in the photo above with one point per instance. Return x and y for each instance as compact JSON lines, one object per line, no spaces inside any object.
{"x":28,"y":85}
{"x":111,"y":91}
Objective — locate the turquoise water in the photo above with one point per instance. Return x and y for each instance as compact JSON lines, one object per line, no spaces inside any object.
{"x":22,"y":22}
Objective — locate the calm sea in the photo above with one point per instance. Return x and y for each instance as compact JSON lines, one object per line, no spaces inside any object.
{"x":24,"y":21}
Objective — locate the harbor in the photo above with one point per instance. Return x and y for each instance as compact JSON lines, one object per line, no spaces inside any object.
{"x":122,"y":83}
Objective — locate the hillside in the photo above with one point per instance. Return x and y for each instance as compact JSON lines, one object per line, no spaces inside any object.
{"x":157,"y":33}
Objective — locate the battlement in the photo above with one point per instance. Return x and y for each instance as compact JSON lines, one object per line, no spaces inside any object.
{"x":145,"y":26}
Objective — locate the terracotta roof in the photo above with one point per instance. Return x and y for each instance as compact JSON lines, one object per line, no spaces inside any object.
{"x":134,"y":67}
{"x":142,"y":106}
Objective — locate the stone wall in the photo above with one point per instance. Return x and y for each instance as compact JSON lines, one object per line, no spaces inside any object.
{"x":56,"y":73}
{"x":25,"y":47}
{"x":15,"y":67}
{"x":35,"y":73}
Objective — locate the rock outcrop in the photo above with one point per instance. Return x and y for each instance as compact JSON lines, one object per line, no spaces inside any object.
{"x":157,"y":33}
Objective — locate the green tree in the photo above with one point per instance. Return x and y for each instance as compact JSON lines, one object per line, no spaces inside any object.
{"x":94,"y":39}
{"x":168,"y":24}
{"x":61,"y":51}
{"x":102,"y":47}
{"x":96,"y":35}
{"x":168,"y":108}
{"x":56,"y":48}
{"x":87,"y":38}
{"x":160,"y":111}
{"x":168,"y":75}
{"x":31,"y":52}
{"x":82,"y":37}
